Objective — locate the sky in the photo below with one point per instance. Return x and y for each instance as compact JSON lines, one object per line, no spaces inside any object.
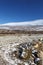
{"x":20,"y":10}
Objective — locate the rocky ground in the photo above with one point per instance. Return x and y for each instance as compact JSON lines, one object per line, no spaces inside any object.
{"x":7,"y":40}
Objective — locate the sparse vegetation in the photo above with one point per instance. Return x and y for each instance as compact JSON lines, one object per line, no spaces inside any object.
{"x":7,"y":40}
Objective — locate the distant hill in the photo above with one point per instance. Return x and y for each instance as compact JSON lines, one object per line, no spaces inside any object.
{"x":31,"y":27}
{"x":21,"y":29}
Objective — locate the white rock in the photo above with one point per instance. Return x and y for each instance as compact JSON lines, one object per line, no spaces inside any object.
{"x":26,"y":63}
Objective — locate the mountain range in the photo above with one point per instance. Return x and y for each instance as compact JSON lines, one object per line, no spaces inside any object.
{"x":36,"y":25}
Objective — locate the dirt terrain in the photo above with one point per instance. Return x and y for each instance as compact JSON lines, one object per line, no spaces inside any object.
{"x":6,"y":40}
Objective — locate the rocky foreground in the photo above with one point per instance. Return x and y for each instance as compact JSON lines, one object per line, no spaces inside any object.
{"x":21,"y":49}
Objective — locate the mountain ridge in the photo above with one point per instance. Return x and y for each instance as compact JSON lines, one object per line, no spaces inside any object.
{"x":34,"y":22}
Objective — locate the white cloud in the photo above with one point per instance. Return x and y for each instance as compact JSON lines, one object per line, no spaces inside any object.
{"x":35,"y":22}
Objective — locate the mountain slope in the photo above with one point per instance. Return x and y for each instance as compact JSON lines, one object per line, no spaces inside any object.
{"x":21,"y":27}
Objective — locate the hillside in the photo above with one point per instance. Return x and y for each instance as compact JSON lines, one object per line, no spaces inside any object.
{"x":21,"y":29}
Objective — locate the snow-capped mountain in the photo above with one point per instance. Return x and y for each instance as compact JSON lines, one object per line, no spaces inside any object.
{"x":35,"y":22}
{"x":36,"y":25}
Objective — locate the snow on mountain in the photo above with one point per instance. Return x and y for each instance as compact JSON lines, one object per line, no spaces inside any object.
{"x":29,"y":25}
{"x":35,"y":22}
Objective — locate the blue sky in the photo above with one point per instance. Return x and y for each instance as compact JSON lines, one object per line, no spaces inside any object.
{"x":20,"y":10}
